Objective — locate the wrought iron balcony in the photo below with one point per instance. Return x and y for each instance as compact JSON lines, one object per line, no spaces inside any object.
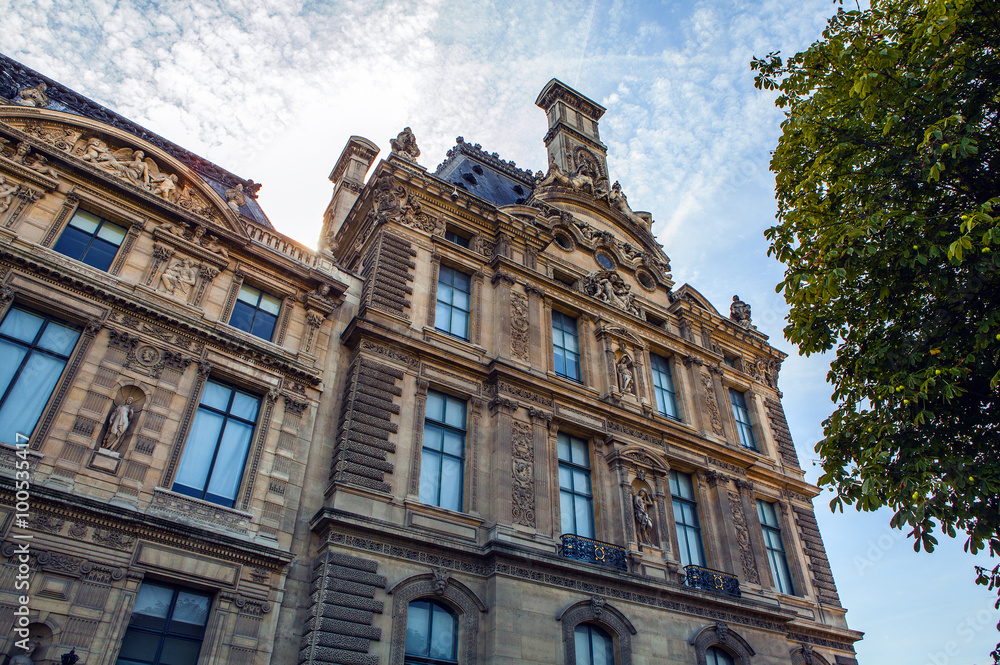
{"x":594,"y":551}
{"x":716,"y":581}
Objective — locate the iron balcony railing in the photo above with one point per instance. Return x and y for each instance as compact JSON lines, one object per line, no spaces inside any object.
{"x":716,"y":581}
{"x":594,"y":551}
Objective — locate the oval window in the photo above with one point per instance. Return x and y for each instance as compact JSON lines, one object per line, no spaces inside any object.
{"x":564,"y":241}
{"x":605,"y":261}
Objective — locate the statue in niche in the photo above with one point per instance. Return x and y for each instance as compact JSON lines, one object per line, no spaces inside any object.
{"x":739,"y":312}
{"x":118,"y":422}
{"x":643,"y":524}
{"x":405,"y":145}
{"x":180,"y":276}
{"x":626,"y":379}
{"x":34,"y":96}
{"x":7,"y":193}
{"x":235,"y":198}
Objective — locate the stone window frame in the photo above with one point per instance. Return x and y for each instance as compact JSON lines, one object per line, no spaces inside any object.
{"x":441,"y":587}
{"x":754,"y":413}
{"x":672,"y":359}
{"x":582,"y":360}
{"x":597,"y":611}
{"x":464,"y":484}
{"x":453,"y":256}
{"x":721,"y":636}
{"x":69,"y":309}
{"x":599,"y":477}
{"x":262,"y":428}
{"x":77,"y":199}
{"x":242,"y":275}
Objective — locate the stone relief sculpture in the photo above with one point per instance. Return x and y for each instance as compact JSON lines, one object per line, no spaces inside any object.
{"x":608,"y":286}
{"x":21,"y":153}
{"x":235,"y":198}
{"x":211,"y":243}
{"x":555,"y":176}
{"x":7,"y":193}
{"x":180,"y":276}
{"x":405,"y":145}
{"x":643,"y":524}
{"x":40,"y":164}
{"x":618,"y":201}
{"x":34,"y":96}
{"x":739,"y":312}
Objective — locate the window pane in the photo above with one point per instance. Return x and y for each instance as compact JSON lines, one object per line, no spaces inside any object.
{"x":451,"y":484}
{"x":229,"y":463}
{"x":100,"y":255}
{"x":570,"y":342}
{"x":263,"y":325}
{"x":581,"y":482}
{"x":190,"y":613}
{"x":562,"y":441}
{"x":430,"y":477}
{"x":433,"y":437}
{"x":459,"y":324}
{"x":581,"y":638}
{"x":249,"y":295}
{"x":180,"y":652}
{"x":197,"y":458}
{"x":435,"y":406}
{"x":270,"y":304}
{"x":153,"y":601}
{"x":59,"y":339}
{"x":418,"y":619}
{"x":579,"y":451}
{"x":85,"y":221}
{"x":112,"y":233}
{"x":442,"y":634}
{"x":567,"y":512}
{"x":242,"y":317}
{"x":453,"y":443}
{"x":27,"y":398}
{"x":565,"y":477}
{"x":245,"y":406}
{"x":442,"y":317}
{"x":455,"y":413}
{"x":460,"y":299}
{"x":21,"y":325}
{"x":216,"y":395}
{"x":72,"y":243}
{"x":584,"y":517}
{"x":138,"y":647}
{"x":603,"y":647}
{"x":11,"y":356}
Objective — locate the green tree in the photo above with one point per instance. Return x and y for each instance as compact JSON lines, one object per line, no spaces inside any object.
{"x":888,"y":189}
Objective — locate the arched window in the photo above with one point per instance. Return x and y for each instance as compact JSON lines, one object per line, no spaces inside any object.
{"x":431,"y":633}
{"x":593,"y":645}
{"x":716,"y":656}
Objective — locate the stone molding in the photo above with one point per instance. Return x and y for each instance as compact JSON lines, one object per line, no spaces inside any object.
{"x":598,"y":611}
{"x":721,"y":635}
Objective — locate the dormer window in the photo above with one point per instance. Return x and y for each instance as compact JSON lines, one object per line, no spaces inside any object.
{"x":459,"y":240}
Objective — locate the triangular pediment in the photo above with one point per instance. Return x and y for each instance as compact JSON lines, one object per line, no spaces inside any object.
{"x":111,"y":153}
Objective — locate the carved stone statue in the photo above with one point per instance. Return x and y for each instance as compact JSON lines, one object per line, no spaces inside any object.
{"x":739,"y":312}
{"x":118,"y":423}
{"x":236,"y":198}
{"x":211,"y":243}
{"x":34,"y":96}
{"x":618,"y":201}
{"x":7,"y":193}
{"x":165,"y":186}
{"x":643,"y":524}
{"x":405,"y":145}
{"x":180,"y":276}
{"x":40,"y":164}
{"x":625,"y":377}
{"x":608,"y":286}
{"x":25,"y":657}
{"x":21,"y":153}
{"x":440,"y":581}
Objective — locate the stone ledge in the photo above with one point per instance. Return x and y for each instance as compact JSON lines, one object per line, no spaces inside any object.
{"x":189,"y":510}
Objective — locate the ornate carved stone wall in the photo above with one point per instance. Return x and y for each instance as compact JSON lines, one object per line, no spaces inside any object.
{"x":386,"y":270}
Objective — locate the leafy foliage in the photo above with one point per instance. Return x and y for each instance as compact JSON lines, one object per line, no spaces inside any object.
{"x":888,"y":188}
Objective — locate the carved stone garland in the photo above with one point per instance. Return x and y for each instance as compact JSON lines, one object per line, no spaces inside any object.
{"x":519,"y":341}
{"x":747,"y":559}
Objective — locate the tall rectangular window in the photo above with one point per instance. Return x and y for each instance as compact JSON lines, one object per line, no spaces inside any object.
{"x":453,"y":298}
{"x":443,"y":458}
{"x":663,"y":386}
{"x":216,"y":450}
{"x":34,"y":349}
{"x":742,"y":415}
{"x":167,"y":626}
{"x":771,"y":529}
{"x":90,"y":239}
{"x":686,"y":519}
{"x":565,"y":346}
{"x":255,"y":312}
{"x":576,"y":497}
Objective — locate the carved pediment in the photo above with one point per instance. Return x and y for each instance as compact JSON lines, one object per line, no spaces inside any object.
{"x":136,"y":164}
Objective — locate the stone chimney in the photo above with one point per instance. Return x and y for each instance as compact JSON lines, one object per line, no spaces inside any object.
{"x":348,"y":178}
{"x":573,"y":139}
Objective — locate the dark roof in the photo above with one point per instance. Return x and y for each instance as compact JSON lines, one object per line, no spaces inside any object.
{"x":484,"y":175}
{"x":14,"y":76}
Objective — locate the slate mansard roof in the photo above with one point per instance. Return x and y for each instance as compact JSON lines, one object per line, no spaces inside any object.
{"x":14,"y":77}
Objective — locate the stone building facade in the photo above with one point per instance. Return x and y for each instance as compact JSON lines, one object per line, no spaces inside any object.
{"x":480,"y":424}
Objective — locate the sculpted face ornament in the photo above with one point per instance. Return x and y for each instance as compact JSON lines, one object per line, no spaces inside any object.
{"x":739,"y":313}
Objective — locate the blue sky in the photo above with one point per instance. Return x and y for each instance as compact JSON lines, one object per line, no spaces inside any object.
{"x":272,"y":89}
